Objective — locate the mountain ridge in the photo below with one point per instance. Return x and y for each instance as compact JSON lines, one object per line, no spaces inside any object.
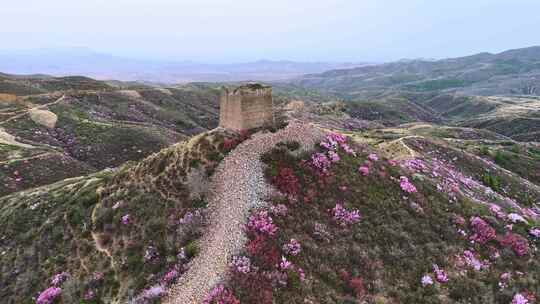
{"x":62,"y":62}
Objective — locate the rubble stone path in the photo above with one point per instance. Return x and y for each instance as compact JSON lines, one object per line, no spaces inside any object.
{"x":237,"y":185}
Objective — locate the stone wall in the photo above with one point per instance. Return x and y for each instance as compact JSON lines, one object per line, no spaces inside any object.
{"x":246,"y":107}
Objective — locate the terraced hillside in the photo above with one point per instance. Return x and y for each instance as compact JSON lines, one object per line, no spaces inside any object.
{"x":54,"y":128}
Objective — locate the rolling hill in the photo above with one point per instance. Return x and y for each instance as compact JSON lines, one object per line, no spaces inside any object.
{"x":54,"y":128}
{"x":511,"y":72}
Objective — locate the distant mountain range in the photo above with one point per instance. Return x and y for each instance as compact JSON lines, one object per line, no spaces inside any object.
{"x":514,"y":72}
{"x":85,"y":62}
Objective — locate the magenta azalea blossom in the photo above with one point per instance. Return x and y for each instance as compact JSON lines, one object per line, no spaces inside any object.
{"x":535,"y":232}
{"x":49,"y":295}
{"x":440,"y":275}
{"x":334,"y":157}
{"x":514,"y":217}
{"x":364,"y":170}
{"x":519,"y":299}
{"x":279,"y":209}
{"x":320,"y":161}
{"x":125,"y":219}
{"x":426,"y":280}
{"x":483,"y":232}
{"x":406,"y":185}
{"x":292,"y":248}
{"x":170,"y":275}
{"x":373,"y":157}
{"x":241,"y":264}
{"x":345,"y":217}
{"x":262,"y":223}
{"x":348,"y":149}
{"x":220,"y":295}
{"x":59,"y":278}
{"x":284,"y":264}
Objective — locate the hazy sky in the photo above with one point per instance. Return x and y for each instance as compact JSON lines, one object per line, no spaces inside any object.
{"x":245,"y":30}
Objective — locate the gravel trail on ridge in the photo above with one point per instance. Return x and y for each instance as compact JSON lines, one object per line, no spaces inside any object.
{"x":237,"y":185}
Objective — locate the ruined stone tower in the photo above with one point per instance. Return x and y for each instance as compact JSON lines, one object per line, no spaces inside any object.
{"x":246,"y":107}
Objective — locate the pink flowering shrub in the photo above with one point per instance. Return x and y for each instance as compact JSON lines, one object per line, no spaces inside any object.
{"x":440,"y":274}
{"x":348,"y":149}
{"x":284,"y":264}
{"x":416,"y":165}
{"x":287,"y":182}
{"x":241,"y":264}
{"x":355,"y":284}
{"x":426,"y":280}
{"x":373,"y":157}
{"x":285,"y":271}
{"x":89,"y":295}
{"x":264,"y":249}
{"x":279,"y":209}
{"x":321,"y":162}
{"x":482,"y":231}
{"x":261,"y":223}
{"x":252,"y":275}
{"x":151,"y":254}
{"x":152,"y":293}
{"x":504,"y":280}
{"x":406,"y":185}
{"x":59,"y":278}
{"x":364,"y":170}
{"x":125,"y":219}
{"x":497,"y":210}
{"x":519,"y":244}
{"x":472,"y":261}
{"x":515,"y":218}
{"x":333,"y":140}
{"x":49,"y":295}
{"x":171,"y":275}
{"x":333,"y":156}
{"x":293,"y":247}
{"x":343,"y":216}
{"x":220,"y":295}
{"x":519,"y":299}
{"x":191,"y":218}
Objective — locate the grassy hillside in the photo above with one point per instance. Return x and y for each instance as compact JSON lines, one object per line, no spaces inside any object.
{"x":364,"y":228}
{"x":496,"y":92}
{"x":112,"y":235}
{"x":75,"y":125}
{"x":412,"y":214}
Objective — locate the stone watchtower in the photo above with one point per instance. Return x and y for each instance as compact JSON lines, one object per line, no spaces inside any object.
{"x":246,"y":107}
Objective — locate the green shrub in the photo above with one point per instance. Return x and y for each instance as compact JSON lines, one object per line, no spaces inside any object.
{"x":494,"y":182}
